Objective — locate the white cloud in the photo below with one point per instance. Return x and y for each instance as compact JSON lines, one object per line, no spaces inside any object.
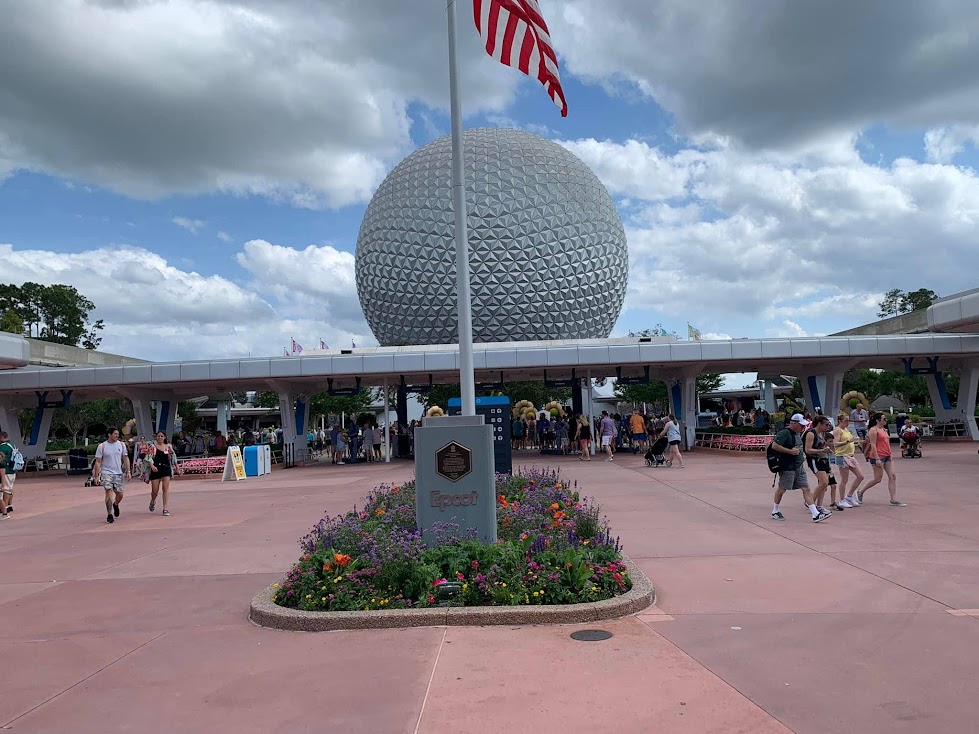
{"x":299,"y":100}
{"x":788,"y":328}
{"x":780,"y":73}
{"x":942,"y":144}
{"x":224,"y":236}
{"x":155,"y":310}
{"x":191,"y":225}
{"x":811,"y":237}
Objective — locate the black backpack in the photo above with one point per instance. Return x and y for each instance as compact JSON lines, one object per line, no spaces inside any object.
{"x":776,"y":461}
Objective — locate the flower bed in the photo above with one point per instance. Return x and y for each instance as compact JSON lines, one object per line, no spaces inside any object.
{"x":554,"y":548}
{"x":210,"y":465}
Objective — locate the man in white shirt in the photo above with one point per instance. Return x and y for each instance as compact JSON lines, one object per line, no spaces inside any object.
{"x":111,"y":469}
{"x":858,"y":421}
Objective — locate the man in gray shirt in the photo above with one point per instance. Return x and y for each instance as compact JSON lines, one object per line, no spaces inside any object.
{"x":858,"y":421}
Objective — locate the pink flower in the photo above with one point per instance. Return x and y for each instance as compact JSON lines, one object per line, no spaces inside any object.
{"x":439,"y":582}
{"x":460,"y":575}
{"x":431,"y":600}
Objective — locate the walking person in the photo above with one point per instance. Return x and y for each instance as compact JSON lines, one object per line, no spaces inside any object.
{"x":162,"y":470}
{"x":9,"y":458}
{"x":817,"y":452}
{"x":858,"y":421}
{"x":792,"y":472}
{"x":844,"y":448}
{"x":111,"y":470}
{"x":638,"y":428}
{"x":672,"y":432}
{"x":878,"y":450}
{"x":583,"y":438}
{"x":606,"y":428}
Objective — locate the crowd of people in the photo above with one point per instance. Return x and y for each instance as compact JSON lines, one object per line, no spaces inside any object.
{"x":755,"y":418}
{"x":819,"y":445}
{"x":570,"y":434}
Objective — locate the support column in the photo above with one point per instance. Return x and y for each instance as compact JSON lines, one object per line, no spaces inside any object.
{"x":589,"y":412}
{"x":965,"y":406}
{"x":822,"y":386}
{"x":294,"y":411}
{"x":387,"y":425}
{"x":682,"y":391}
{"x":36,"y":441}
{"x":9,"y":408}
{"x":768,"y":395}
{"x":224,"y":410}
{"x":145,"y":402}
{"x":576,"y":401}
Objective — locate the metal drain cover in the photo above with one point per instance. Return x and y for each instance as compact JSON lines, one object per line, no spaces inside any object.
{"x":590,"y":635}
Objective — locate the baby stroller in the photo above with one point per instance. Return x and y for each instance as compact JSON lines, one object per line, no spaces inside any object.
{"x":655,"y":457}
{"x":910,"y":442}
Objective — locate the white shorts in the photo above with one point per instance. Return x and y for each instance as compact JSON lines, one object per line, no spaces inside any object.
{"x":607,"y":441}
{"x":8,"y":482}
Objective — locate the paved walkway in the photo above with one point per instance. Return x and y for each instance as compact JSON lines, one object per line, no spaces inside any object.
{"x":856,"y":624}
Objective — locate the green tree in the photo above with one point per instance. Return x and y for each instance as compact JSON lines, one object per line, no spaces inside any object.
{"x":189,"y":418}
{"x":655,"y":394}
{"x":533,"y":390}
{"x":73,"y":419}
{"x":56,"y":313}
{"x":11,"y":322}
{"x":325,"y":404}
{"x":897,"y":301}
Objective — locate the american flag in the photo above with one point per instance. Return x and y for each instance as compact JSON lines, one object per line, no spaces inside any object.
{"x":516,"y":35}
{"x":297,"y":348}
{"x":323,"y":345}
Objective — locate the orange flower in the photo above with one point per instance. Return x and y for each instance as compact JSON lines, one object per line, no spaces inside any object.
{"x":342,"y":559}
{"x":558,"y":486}
{"x":502,"y":498}
{"x":327,"y":566}
{"x":555,"y":506}
{"x":556,"y":524}
{"x":559,"y":515}
{"x":379,"y":511}
{"x":395,"y":490}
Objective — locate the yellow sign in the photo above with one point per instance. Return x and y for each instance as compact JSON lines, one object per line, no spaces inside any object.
{"x":234,"y":465}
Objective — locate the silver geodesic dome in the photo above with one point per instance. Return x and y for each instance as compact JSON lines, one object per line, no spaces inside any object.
{"x":547,"y":249}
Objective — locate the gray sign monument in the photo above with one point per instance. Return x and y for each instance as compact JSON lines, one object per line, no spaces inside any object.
{"x":455,"y":476}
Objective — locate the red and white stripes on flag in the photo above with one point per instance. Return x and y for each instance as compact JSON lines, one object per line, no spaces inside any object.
{"x":516,"y":35}
{"x":297,"y":348}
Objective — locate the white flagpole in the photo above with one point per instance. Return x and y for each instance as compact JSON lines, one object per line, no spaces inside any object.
{"x":466,"y":376}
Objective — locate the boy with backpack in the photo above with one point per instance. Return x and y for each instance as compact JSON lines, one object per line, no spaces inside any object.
{"x":786,"y":459}
{"x":11,"y":462}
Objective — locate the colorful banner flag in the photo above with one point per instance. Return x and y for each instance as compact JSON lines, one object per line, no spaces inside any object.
{"x":323,"y":345}
{"x":297,"y":348}
{"x":693,"y":333}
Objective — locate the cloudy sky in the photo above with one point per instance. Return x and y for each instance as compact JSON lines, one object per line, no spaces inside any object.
{"x":199,"y":168}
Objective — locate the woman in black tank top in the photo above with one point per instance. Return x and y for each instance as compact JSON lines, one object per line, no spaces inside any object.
{"x":584,"y":439}
{"x":163,"y":469}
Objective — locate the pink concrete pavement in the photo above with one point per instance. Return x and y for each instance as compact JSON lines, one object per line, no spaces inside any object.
{"x":855,"y":624}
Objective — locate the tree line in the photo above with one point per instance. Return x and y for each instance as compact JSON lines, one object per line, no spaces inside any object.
{"x":52,"y":313}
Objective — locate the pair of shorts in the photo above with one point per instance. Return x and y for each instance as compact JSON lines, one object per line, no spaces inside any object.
{"x":846,"y":462}
{"x":793,"y":479}
{"x":114,"y":482}
{"x":674,"y":443}
{"x":8,"y":482}
{"x":607,"y":441}
{"x":883,"y":460}
{"x":638,"y":437}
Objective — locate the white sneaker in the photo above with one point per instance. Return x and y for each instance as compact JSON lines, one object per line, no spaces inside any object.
{"x":844,"y":503}
{"x":609,"y":459}
{"x":852,"y":499}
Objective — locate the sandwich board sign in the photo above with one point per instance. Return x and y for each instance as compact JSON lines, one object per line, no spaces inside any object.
{"x":234,"y":465}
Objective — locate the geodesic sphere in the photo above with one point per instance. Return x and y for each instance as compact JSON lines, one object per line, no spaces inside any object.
{"x":547,"y":251}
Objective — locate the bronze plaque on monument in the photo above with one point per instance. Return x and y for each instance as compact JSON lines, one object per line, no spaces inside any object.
{"x":453,"y":461}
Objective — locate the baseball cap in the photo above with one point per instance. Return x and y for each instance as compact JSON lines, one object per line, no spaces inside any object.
{"x":798,"y":418}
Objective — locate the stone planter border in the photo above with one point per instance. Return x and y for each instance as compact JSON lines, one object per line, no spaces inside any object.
{"x":266,"y":613}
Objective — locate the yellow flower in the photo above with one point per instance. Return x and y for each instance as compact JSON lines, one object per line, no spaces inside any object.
{"x":275,"y":586}
{"x":465,"y":586}
{"x":503,"y":585}
{"x":309,"y":596}
{"x":324,"y":598}
{"x":337,"y":579}
{"x":536,"y":593}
